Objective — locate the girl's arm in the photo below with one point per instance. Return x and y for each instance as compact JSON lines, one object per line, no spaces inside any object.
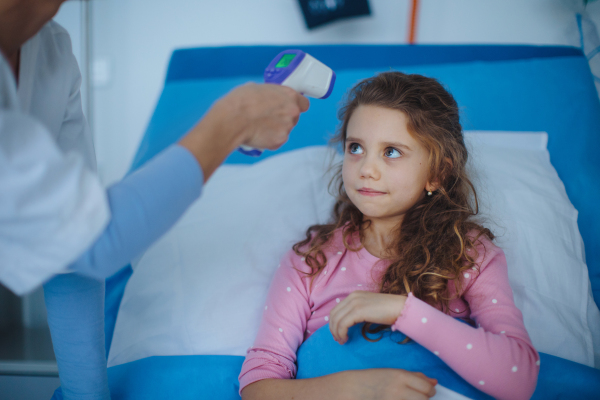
{"x":393,"y":384}
{"x":497,"y":356}
{"x":283,"y":325}
{"x":269,"y":369}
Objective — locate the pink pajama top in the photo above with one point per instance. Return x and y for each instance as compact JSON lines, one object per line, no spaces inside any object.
{"x":497,"y":356}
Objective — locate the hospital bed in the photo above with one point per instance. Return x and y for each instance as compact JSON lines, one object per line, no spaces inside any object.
{"x":167,"y":341}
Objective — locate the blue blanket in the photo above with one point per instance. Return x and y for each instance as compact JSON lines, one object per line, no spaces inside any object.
{"x":321,"y":355}
{"x":215,"y":377}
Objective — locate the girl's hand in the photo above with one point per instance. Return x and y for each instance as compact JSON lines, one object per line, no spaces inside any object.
{"x":390,"y":384}
{"x":368,"y":384}
{"x":361,"y":306}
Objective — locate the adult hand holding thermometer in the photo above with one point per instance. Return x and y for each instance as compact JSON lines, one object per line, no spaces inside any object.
{"x":301,"y":72}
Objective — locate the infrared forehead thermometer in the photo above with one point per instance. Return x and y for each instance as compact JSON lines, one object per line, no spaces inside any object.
{"x":301,"y":72}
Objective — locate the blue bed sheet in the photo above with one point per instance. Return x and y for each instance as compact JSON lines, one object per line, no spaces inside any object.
{"x":522,"y":88}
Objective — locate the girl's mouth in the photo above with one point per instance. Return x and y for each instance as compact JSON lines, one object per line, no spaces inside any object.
{"x":370,"y":192}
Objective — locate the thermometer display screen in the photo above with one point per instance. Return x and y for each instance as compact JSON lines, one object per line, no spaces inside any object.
{"x":285,"y":60}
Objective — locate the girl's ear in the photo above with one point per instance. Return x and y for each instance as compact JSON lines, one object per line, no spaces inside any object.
{"x":446,"y":169}
{"x":431,"y":186}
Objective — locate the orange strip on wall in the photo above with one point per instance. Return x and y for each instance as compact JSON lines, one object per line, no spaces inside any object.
{"x":413,"y":22}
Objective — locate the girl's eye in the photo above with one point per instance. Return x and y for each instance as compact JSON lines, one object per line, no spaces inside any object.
{"x":354,"y":148}
{"x":391,"y":152}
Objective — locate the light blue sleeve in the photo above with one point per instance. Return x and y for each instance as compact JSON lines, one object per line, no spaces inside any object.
{"x":144,"y":205}
{"x":75,"y":306}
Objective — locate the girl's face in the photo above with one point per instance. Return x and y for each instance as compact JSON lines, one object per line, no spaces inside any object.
{"x":385,"y":169}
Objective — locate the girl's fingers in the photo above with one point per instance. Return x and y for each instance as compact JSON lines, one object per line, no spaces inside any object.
{"x":349,"y":320}
{"x":410,"y":394}
{"x":335,"y":316}
{"x":333,"y":323}
{"x":422,"y":384}
{"x":348,"y":313}
{"x":343,"y":321}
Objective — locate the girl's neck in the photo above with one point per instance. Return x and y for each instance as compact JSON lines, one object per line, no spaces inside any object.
{"x":378,"y":238}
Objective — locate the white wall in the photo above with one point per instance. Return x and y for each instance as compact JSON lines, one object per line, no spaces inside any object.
{"x":133,"y":40}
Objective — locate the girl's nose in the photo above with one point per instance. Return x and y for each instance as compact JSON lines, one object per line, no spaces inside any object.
{"x":369,"y":169}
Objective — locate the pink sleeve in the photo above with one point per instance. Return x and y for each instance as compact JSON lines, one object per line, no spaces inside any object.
{"x":282,"y":327}
{"x":497,"y":357}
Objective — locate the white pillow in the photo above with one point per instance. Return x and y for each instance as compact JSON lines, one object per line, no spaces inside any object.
{"x":201,"y":288}
{"x":524,"y":202}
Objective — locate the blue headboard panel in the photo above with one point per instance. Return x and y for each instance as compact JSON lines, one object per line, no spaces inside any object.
{"x":222,"y":62}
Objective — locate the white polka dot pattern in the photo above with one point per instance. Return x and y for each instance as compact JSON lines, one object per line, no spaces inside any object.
{"x":424,"y":320}
{"x":469,"y":346}
{"x":326,"y":318}
{"x":437,"y":353}
{"x":343,"y":268}
{"x":482,"y":383}
{"x":537,"y":363}
{"x":494,"y":301}
{"x":289,"y":289}
{"x":280,"y":330}
{"x":337,"y":300}
{"x":514,"y":369}
{"x":467,"y":275}
{"x":339,"y":252}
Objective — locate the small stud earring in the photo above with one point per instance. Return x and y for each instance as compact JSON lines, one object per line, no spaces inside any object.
{"x":429,"y":193}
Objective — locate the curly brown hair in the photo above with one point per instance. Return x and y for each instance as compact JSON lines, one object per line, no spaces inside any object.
{"x":430,"y":245}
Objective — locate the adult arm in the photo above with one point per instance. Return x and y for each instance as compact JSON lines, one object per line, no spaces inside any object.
{"x":146,"y":203}
{"x":259,"y":116}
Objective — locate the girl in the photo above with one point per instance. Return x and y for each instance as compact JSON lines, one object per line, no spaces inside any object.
{"x":402,"y":251}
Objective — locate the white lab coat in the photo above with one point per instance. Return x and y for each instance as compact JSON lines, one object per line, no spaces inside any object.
{"x":52,"y":205}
